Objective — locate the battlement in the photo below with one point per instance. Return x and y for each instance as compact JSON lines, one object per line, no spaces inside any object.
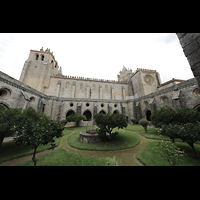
{"x":87,"y":79}
{"x":144,"y":70}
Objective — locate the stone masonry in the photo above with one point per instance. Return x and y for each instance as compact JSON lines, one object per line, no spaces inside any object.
{"x":135,"y":94}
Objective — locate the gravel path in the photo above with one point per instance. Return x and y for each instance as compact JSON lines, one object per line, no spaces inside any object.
{"x":126,"y":157}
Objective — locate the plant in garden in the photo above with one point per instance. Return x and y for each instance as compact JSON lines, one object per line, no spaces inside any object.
{"x":35,"y":129}
{"x":8,"y":118}
{"x":144,"y":123}
{"x":170,"y":152}
{"x":75,"y":118}
{"x":189,"y":132}
{"x":166,"y":116}
{"x":134,"y":121}
{"x":107,"y":123}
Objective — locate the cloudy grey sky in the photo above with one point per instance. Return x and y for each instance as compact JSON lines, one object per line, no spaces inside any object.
{"x":98,"y":55}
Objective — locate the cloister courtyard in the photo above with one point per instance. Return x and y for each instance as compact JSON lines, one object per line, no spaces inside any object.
{"x":131,"y":147}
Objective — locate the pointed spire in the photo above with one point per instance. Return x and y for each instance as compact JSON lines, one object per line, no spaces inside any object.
{"x":60,"y":70}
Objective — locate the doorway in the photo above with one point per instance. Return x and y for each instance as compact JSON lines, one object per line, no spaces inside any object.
{"x":148,"y":115}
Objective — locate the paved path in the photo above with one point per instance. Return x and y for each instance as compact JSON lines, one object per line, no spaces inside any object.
{"x":126,"y":157}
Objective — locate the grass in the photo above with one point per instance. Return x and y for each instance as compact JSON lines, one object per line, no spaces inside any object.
{"x":152,"y":133}
{"x":61,"y":157}
{"x":150,"y":157}
{"x":10,"y":151}
{"x":125,"y":139}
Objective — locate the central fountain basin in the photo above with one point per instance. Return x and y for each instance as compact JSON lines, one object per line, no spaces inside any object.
{"x":89,"y":136}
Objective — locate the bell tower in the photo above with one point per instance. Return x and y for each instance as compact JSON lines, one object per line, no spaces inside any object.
{"x":145,"y":81}
{"x":38,"y":68}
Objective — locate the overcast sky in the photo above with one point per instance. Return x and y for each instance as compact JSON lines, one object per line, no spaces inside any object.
{"x":98,"y":55}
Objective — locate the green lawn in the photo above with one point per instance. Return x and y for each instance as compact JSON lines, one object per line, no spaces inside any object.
{"x":150,"y":157}
{"x":61,"y":157}
{"x":125,"y":139}
{"x":10,"y":151}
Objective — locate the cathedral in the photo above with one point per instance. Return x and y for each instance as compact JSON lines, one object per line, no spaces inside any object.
{"x":135,"y":93}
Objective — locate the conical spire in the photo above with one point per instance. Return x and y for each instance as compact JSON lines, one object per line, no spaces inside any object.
{"x":60,"y":70}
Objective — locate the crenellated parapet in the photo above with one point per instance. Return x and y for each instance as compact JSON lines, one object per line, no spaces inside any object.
{"x":86,"y":79}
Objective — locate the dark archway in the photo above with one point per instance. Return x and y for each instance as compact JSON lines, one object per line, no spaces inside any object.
{"x":116,"y":112}
{"x":148,"y":115}
{"x":88,"y":115}
{"x":70,"y":112}
{"x":102,"y":112}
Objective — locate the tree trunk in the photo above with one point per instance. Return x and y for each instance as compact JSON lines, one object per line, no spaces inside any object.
{"x":192,"y":145}
{"x":1,"y":141}
{"x":34,"y":159}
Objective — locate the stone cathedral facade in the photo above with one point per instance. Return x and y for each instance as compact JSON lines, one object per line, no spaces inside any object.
{"x":135,"y":94}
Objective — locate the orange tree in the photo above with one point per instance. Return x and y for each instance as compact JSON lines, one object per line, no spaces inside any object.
{"x":36,"y":129}
{"x":107,"y":123}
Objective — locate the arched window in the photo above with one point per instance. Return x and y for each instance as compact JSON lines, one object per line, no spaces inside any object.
{"x":42,"y":57}
{"x":116,"y":112}
{"x":81,"y":86}
{"x":67,"y":84}
{"x":88,"y":115}
{"x":32,"y":100}
{"x":164,"y":100}
{"x":70,"y":112}
{"x":36,"y":56}
{"x":4,"y":93}
{"x":102,"y":112}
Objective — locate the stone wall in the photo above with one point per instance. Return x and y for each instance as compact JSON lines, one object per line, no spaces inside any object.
{"x":182,"y":95}
{"x":65,"y":87}
{"x":133,"y":94}
{"x":20,"y":94}
{"x":190,"y":43}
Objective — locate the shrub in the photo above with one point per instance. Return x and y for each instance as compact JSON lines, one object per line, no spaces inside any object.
{"x":107,"y":123}
{"x":166,"y":116}
{"x":134,"y":121}
{"x":8,"y":118}
{"x":144,"y":123}
{"x":186,"y":115}
{"x":76,"y":118}
{"x":189,"y":132}
{"x":36,"y":128}
{"x":170,"y":152}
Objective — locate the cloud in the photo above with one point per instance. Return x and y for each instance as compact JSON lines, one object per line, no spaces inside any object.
{"x":167,"y":38}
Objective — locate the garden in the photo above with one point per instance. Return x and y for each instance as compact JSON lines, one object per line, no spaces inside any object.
{"x":43,"y":142}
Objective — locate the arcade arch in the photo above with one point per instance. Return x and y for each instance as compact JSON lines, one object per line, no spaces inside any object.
{"x":88,"y":115}
{"x":70,"y":112}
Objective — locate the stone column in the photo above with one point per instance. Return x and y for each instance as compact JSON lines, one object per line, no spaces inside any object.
{"x":190,"y":43}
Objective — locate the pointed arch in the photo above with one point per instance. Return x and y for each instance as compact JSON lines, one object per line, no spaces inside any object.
{"x":102,"y":112}
{"x":116,"y":112}
{"x":69,"y":112}
{"x":88,"y":115}
{"x":148,"y":114}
